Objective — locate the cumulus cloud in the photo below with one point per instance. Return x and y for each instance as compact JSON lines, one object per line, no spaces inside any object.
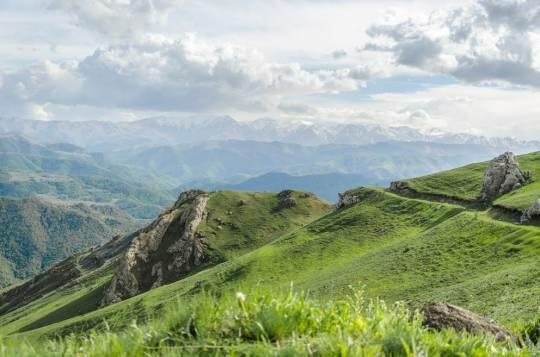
{"x":116,"y":17}
{"x":490,"y":40}
{"x":339,"y":54}
{"x":159,"y":73}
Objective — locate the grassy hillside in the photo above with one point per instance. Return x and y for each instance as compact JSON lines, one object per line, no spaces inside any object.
{"x":462,"y":183}
{"x":396,"y":248}
{"x":242,"y":221}
{"x":527,"y":195}
{"x":34,"y":234}
{"x":465,"y":183}
{"x":238,"y":222}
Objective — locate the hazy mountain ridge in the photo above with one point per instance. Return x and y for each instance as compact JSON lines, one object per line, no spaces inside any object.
{"x":160,"y":131}
{"x":69,"y":173}
{"x":235,"y":161}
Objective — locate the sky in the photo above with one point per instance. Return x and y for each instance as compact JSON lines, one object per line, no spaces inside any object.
{"x":461,"y":66}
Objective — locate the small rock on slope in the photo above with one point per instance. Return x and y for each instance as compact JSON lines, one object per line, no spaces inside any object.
{"x":440,"y":316}
{"x":531,"y":212}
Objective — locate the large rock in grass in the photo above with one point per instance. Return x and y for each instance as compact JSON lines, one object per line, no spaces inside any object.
{"x":440,"y":316}
{"x":502,"y":176}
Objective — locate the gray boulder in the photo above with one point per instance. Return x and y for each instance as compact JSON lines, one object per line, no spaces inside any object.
{"x":531,"y":212}
{"x":502,"y":176}
{"x":347,"y":199}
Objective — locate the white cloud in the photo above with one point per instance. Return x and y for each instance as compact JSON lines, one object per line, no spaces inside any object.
{"x":491,"y":40}
{"x":159,"y":73}
{"x":489,"y":111}
{"x":339,"y":54}
{"x":116,"y":17}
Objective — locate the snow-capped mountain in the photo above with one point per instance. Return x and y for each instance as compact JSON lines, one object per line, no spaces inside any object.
{"x":164,"y":130}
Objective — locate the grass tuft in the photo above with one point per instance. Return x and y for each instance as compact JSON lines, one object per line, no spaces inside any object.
{"x":281,"y":324}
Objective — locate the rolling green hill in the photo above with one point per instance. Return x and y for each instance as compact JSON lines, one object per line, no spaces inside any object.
{"x":397,"y":248}
{"x":237,"y":222}
{"x":465,"y":183}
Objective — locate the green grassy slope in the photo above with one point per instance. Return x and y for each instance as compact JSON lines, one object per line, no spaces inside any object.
{"x":276,"y":323}
{"x":398,"y":248}
{"x":528,"y":194}
{"x":242,"y":221}
{"x":462,"y":183}
{"x":232,"y":227}
{"x":465,"y":183}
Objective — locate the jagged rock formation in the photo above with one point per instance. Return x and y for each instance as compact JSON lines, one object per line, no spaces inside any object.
{"x":347,"y":199}
{"x":399,"y":187}
{"x":440,"y":316}
{"x":286,"y":199}
{"x":165,"y":250}
{"x":531,"y":212}
{"x":502,"y":176}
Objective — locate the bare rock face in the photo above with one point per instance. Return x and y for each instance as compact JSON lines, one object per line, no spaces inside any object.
{"x":531,"y":212}
{"x":397,"y":187}
{"x":440,"y":316}
{"x":286,"y":199}
{"x":502,"y":176}
{"x":165,"y":250}
{"x":347,"y":199}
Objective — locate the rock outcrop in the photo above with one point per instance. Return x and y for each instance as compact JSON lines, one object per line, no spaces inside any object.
{"x":347,"y":199}
{"x":399,"y":187}
{"x":502,"y":176}
{"x":166,"y":250}
{"x":531,"y":212}
{"x":440,"y":316}
{"x":286,"y":199}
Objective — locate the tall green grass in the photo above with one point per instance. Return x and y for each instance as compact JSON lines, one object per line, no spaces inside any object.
{"x":282,"y":324}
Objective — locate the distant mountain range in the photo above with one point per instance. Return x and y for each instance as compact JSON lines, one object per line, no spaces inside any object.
{"x":69,"y":173}
{"x":232,"y":162}
{"x":160,"y":131}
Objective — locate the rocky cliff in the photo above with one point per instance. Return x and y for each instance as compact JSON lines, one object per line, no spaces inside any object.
{"x":502,"y":176}
{"x":165,"y":250}
{"x":347,"y":199}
